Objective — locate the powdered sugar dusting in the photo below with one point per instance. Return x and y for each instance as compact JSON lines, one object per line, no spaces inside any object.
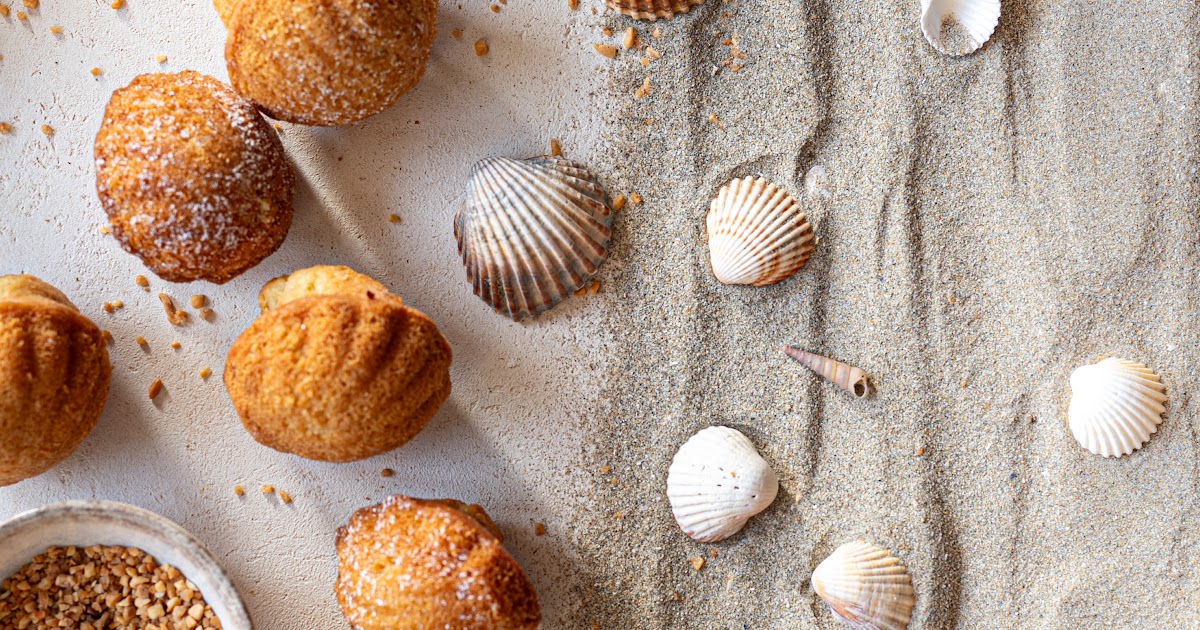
{"x":192,"y":178}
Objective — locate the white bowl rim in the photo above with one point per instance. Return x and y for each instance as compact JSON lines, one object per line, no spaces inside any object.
{"x":179,"y":537}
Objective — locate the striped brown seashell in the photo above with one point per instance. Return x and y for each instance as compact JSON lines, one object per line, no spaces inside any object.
{"x":652,"y":9}
{"x":532,"y":232}
{"x":846,"y":376}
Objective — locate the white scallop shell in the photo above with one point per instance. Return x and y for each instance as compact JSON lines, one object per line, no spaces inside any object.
{"x":532,"y":232}
{"x":1115,"y":406}
{"x":866,"y":587}
{"x":959,"y":27}
{"x":716,"y":482}
{"x":756,"y":233}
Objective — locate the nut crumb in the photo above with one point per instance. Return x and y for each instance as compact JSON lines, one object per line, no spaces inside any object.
{"x":155,"y":388}
{"x":160,"y":58}
{"x":604,"y":470}
{"x":387,"y":472}
{"x":657,"y":33}
{"x":56,"y":30}
{"x":285,"y":497}
{"x":635,"y":198}
{"x":106,"y":336}
{"x":653,"y":53}
{"x":30,"y":4}
{"x":698,"y":562}
{"x":645,"y":61}
{"x":141,"y":281}
{"x":117,"y":4}
{"x":555,"y":147}
{"x":141,"y":341}
{"x":108,"y":307}
{"x":175,"y":345}
{"x":267,"y":489}
{"x":5,"y":128}
{"x":176,"y":316}
{"x":630,"y":38}
{"x":607,"y":31}
{"x":97,"y":72}
{"x":618,"y":203}
{"x":118,"y":304}
{"x":239,"y":491}
{"x":607,"y":50}
{"x":4,"y":10}
{"x":393,"y":218}
{"x":205,"y":373}
{"x":572,"y":4}
{"x":539,"y":529}
{"x":198,"y":300}
{"x":481,"y":48}
{"x":206,"y":314}
{"x":456,"y":33}
{"x":48,"y":130}
{"x":22,"y":16}
{"x":495,"y":8}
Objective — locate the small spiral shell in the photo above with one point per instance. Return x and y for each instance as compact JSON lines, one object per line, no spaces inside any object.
{"x":847,"y":377}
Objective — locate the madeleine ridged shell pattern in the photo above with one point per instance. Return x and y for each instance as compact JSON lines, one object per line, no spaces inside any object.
{"x":716,"y":482}
{"x":959,"y":27}
{"x":843,"y":375}
{"x":531,"y":232}
{"x":757,"y":233}
{"x":652,"y":9}
{"x":866,"y":587}
{"x":1115,"y":406}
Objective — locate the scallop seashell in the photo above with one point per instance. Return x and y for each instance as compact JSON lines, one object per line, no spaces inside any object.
{"x":652,"y":9}
{"x":1115,"y":406}
{"x":959,"y":27}
{"x":756,"y":233}
{"x":716,"y":482}
{"x":866,"y":587}
{"x":531,"y":232}
{"x":846,"y":376}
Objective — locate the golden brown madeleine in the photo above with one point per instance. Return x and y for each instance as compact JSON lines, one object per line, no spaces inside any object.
{"x":54,"y":375}
{"x":336,"y":368}
{"x":412,"y":564}
{"x":194,"y":181}
{"x":326,"y":62}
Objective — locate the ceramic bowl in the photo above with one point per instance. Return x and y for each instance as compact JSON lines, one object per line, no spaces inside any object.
{"x":87,"y":523}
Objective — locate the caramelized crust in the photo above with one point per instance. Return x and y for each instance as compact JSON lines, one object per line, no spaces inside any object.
{"x":326,"y":62}
{"x":337,"y":376}
{"x":194,"y":181}
{"x":412,"y":564}
{"x":54,"y":376}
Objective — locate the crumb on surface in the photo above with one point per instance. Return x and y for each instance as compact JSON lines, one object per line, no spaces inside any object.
{"x":239,"y":491}
{"x":456,"y":33}
{"x":606,"y":50}
{"x":267,"y":489}
{"x":205,"y":372}
{"x":117,"y":4}
{"x":572,"y":4}
{"x":160,"y":58}
{"x":175,"y":345}
{"x":56,"y":30}
{"x":618,"y":202}
{"x":630,"y":38}
{"x":4,"y":10}
{"x":539,"y":529}
{"x":495,"y":8}
{"x":481,"y":48}
{"x":141,"y":341}
{"x":607,"y":31}
{"x":198,"y":300}
{"x":5,"y":128}
{"x":393,"y":218}
{"x":22,"y":16}
{"x":156,"y":388}
{"x":30,"y":4}
{"x":604,"y":470}
{"x":555,"y":147}
{"x":697,"y":562}
{"x":206,"y":314}
{"x":48,"y":130}
{"x":387,"y":472}
{"x":106,"y":336}
{"x":285,"y":497}
{"x":635,"y":199}
{"x":141,"y":281}
{"x":176,"y":316}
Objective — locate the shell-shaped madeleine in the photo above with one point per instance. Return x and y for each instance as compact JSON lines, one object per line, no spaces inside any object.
{"x":652,"y":9}
{"x":959,"y":27}
{"x":54,"y":377}
{"x":1115,"y":406}
{"x":532,"y":232}
{"x":716,"y":482}
{"x":866,"y":587}
{"x":757,"y":234}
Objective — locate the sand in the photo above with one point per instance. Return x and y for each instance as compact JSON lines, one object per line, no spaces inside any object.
{"x":992,"y":222}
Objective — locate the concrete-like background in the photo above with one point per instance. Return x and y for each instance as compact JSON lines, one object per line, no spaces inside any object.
{"x":510,"y":433}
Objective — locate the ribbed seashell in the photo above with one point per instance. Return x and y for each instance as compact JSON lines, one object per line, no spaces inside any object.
{"x":652,"y":9}
{"x":846,"y":376}
{"x":531,"y":232}
{"x":959,"y":27}
{"x":1115,"y":406}
{"x":757,"y":234}
{"x":866,"y":587}
{"x":716,"y":482}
